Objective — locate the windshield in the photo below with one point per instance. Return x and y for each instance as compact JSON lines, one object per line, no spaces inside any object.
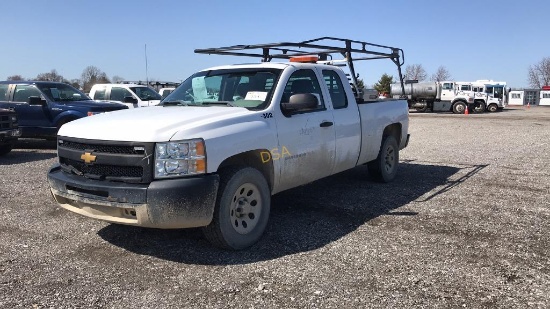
{"x":249,"y":88}
{"x":145,"y":93}
{"x":62,"y":92}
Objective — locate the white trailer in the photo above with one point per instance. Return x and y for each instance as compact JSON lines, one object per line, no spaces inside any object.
{"x":516,"y":97}
{"x":544,"y":97}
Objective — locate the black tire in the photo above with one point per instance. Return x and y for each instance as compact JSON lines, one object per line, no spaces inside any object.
{"x":242,"y":209}
{"x":479,"y":107}
{"x":492,"y":108}
{"x":384,"y":168}
{"x":422,"y":109}
{"x":5,"y":149}
{"x":459,"y":108}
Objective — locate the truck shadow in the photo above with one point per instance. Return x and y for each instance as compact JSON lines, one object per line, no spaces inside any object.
{"x":31,"y":143}
{"x":29,"y":150}
{"x":305,"y":218}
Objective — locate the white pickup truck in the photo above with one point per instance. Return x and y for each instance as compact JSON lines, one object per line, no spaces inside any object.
{"x":216,"y":149}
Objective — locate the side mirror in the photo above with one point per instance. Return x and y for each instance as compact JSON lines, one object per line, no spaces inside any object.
{"x":300,"y":102}
{"x":34,"y":100}
{"x":130,"y":99}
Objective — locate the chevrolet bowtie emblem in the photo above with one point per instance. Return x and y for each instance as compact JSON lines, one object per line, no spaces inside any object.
{"x":88,"y":157}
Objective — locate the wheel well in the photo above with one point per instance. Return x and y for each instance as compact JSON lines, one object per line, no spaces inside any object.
{"x":394,"y":130}
{"x":64,"y":120}
{"x":253,"y":159}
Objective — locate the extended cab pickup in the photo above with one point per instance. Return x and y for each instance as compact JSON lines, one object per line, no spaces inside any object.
{"x":43,"y":107}
{"x":216,"y":149}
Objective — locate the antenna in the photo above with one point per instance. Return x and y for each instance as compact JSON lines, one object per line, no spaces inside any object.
{"x":146,"y":74}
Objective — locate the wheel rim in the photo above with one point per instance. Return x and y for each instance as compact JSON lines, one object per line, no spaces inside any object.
{"x":389,"y":159}
{"x":460,"y":108}
{"x":246,"y":208}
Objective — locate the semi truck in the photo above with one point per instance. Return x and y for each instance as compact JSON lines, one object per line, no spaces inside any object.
{"x":213,"y":152}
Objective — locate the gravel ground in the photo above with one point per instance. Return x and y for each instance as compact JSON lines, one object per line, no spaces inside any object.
{"x":464,"y":225}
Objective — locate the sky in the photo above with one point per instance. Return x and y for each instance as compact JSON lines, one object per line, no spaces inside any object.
{"x":473,"y":39}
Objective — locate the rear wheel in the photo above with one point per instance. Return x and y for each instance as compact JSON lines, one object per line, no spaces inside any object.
{"x":459,"y":108}
{"x":479,"y":107}
{"x":384,"y":168}
{"x":422,"y":109}
{"x":242,"y":209}
{"x":492,"y":108}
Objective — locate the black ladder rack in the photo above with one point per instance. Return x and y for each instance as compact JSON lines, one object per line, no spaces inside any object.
{"x":324,"y":48}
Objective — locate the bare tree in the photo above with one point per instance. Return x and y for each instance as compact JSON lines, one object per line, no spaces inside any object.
{"x":441,"y":74}
{"x":52,"y":76}
{"x":75,"y":82}
{"x":539,"y":74}
{"x":415,"y":72}
{"x":15,"y":77}
{"x":91,"y":76}
{"x":117,"y":79}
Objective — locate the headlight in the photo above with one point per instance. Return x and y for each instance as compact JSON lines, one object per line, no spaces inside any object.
{"x":174,"y":159}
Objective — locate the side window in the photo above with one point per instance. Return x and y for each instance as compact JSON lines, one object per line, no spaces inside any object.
{"x":303,"y":81}
{"x":99,"y":94}
{"x":336,"y":89}
{"x":465,"y":87}
{"x":4,"y":92}
{"x":23,"y":92}
{"x":447,"y":86}
{"x":118,"y":94}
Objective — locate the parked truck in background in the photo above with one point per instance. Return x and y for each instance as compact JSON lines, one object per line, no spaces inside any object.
{"x":496,"y":92}
{"x":131,"y":95}
{"x":216,"y":149}
{"x":42,"y":107}
{"x":435,"y":96}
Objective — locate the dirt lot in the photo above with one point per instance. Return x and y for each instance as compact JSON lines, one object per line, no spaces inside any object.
{"x":464,"y":225}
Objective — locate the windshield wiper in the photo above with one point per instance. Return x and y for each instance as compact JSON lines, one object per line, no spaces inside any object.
{"x":174,"y":103}
{"x":226,"y":103}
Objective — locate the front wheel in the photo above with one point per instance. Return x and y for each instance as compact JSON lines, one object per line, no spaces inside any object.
{"x":459,"y":108}
{"x":384,"y":168}
{"x":242,"y":209}
{"x":492,"y":108}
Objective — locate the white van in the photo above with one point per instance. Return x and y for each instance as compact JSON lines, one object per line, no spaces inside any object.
{"x":131,"y":95}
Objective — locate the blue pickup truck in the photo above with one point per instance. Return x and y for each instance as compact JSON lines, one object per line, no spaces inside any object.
{"x":43,"y":107}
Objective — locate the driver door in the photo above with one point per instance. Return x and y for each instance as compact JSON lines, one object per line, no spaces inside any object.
{"x":307,"y":139}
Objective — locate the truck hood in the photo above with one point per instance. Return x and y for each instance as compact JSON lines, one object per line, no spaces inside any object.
{"x":151,"y":124}
{"x":110,"y":105}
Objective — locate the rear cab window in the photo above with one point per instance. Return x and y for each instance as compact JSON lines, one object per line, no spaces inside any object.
{"x":335,"y":89}
{"x":22,"y":93}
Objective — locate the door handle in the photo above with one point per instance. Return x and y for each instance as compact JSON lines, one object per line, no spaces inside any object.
{"x":326,"y":124}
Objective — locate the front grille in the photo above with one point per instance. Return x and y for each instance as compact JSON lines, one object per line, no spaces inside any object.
{"x":130,"y":162}
{"x":6,"y":122}
{"x":101,"y":148}
{"x":103,"y":170}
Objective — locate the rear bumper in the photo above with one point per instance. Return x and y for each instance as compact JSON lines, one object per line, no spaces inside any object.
{"x":170,"y":203}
